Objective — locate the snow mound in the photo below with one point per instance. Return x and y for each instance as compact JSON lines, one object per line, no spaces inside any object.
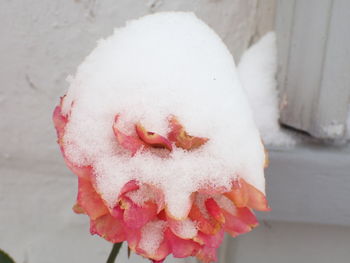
{"x":257,"y":72}
{"x":160,"y":65}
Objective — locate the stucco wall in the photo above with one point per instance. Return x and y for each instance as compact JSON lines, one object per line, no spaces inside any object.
{"x":41,"y":42}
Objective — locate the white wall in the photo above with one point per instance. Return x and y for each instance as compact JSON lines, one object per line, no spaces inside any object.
{"x":275,"y":242}
{"x":41,"y":42}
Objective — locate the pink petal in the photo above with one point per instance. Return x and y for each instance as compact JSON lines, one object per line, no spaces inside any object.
{"x":136,"y":216}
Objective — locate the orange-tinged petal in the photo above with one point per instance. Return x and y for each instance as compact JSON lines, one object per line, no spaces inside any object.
{"x":133,"y":144}
{"x":257,"y":199}
{"x":89,"y":200}
{"x":136,"y":216}
{"x":183,"y":140}
{"x":108,"y":227}
{"x":152,"y":139}
{"x":239,"y":194}
{"x":214,"y":210}
{"x":181,"y":248}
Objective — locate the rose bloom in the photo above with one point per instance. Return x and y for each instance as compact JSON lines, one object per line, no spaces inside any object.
{"x":140,"y":215}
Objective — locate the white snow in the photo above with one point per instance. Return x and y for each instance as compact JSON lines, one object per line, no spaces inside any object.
{"x":257,"y":72}
{"x":160,"y":65}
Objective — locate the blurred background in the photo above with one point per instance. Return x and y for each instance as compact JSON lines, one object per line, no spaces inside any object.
{"x":43,"y":41}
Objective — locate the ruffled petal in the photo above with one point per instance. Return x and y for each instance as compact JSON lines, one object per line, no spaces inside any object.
{"x":183,"y":140}
{"x":152,"y":139}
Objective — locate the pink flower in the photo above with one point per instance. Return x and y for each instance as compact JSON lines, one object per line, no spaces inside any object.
{"x":212,"y":211}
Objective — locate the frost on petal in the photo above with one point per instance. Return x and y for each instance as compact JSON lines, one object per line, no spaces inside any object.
{"x":183,"y":140}
{"x":89,"y":200}
{"x":152,"y":139}
{"x":108,"y":227}
{"x":152,"y":237}
{"x":185,"y":229}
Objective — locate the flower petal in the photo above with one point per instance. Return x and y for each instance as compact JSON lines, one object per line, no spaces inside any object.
{"x":108,"y":227}
{"x":133,"y":144}
{"x":89,"y":200}
{"x":181,"y":138}
{"x":153,"y":139}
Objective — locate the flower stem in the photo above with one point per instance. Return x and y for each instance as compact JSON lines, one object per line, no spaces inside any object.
{"x":114,"y":253}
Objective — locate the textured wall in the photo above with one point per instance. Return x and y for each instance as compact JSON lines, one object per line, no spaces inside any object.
{"x":42,"y":41}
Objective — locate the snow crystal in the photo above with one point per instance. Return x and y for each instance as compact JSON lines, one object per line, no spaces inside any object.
{"x":160,"y":65}
{"x":257,"y":72}
{"x":152,"y":235}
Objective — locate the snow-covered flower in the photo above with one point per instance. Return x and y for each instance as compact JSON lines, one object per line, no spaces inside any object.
{"x":159,"y":132}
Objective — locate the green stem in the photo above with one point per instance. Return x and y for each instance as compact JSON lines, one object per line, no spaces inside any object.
{"x":114,"y":253}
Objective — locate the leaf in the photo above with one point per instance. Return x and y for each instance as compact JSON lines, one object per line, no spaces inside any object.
{"x":5,"y":258}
